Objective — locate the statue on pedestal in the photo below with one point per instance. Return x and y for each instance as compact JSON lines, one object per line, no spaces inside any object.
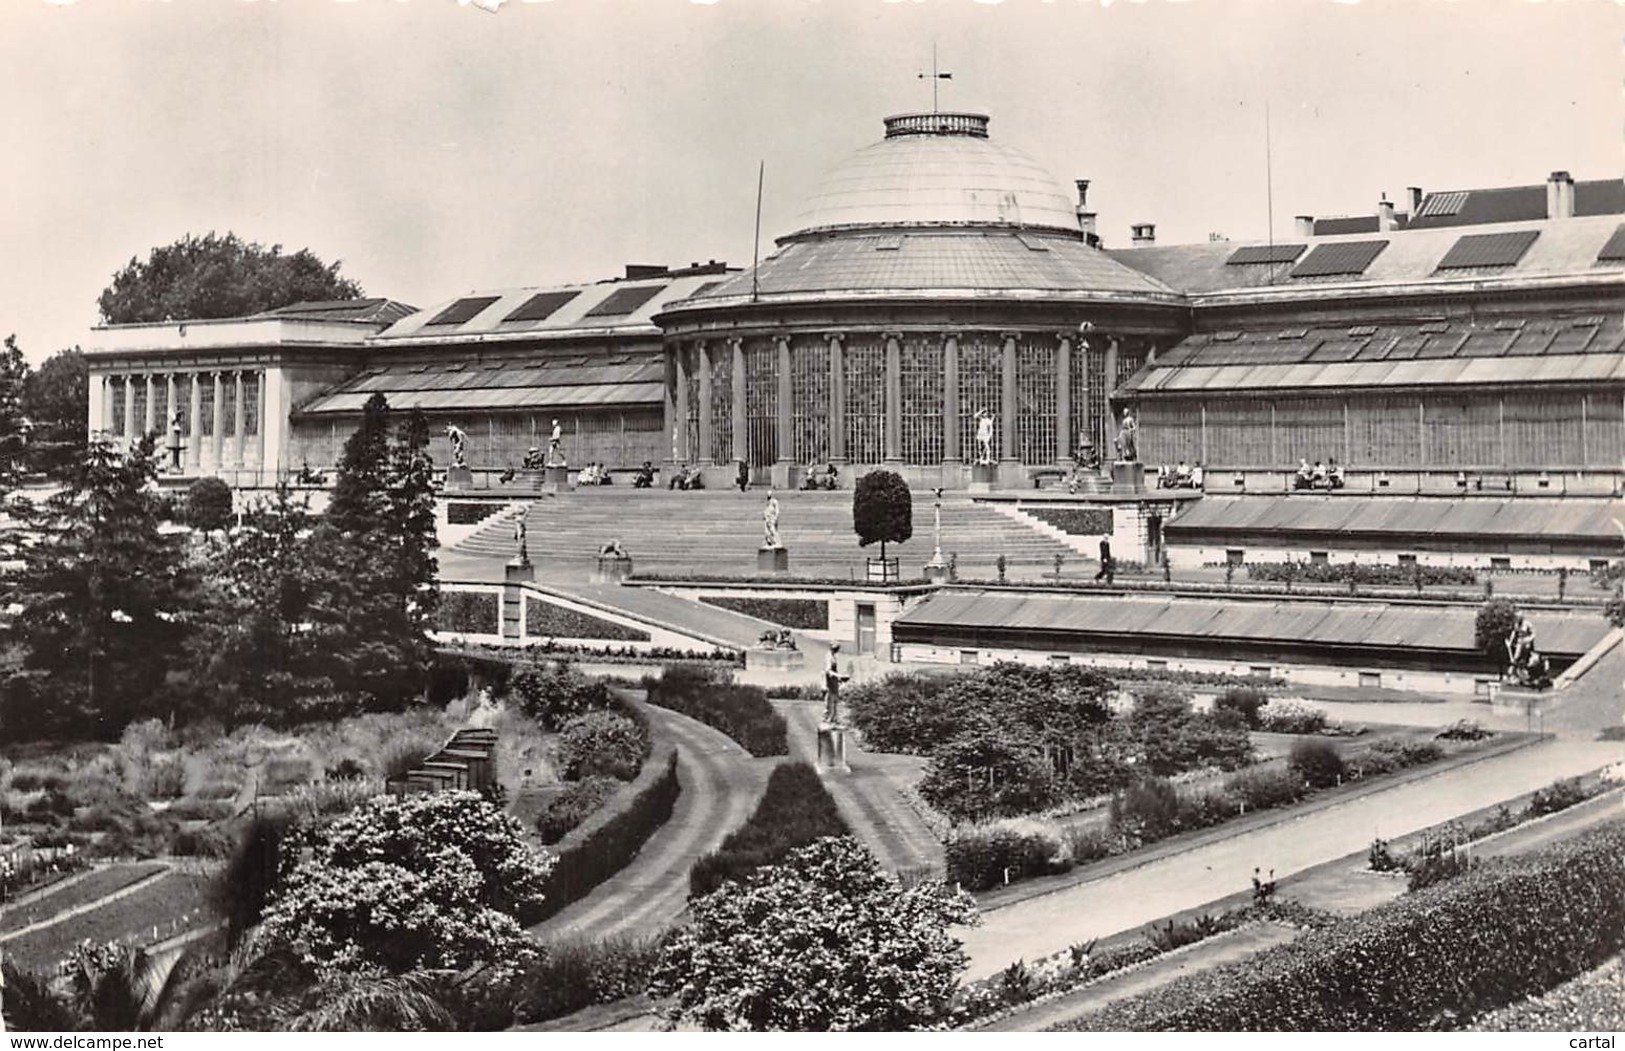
{"x":459,"y":445}
{"x":770,"y":522}
{"x":1128,"y":444}
{"x":175,"y":445}
{"x":832,"y":686}
{"x":522,"y":556}
{"x":936,"y":527}
{"x":555,"y":452}
{"x":984,"y":436}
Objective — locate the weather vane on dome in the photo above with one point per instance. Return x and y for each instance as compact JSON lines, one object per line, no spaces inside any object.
{"x":934,"y":76}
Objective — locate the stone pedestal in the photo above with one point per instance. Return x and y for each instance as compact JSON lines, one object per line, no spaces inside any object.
{"x":984,"y":477}
{"x":936,"y":571}
{"x":1128,"y":476}
{"x":556,"y":480}
{"x":517,"y":571}
{"x":459,"y":478}
{"x":775,"y":660}
{"x":773,"y":560}
{"x":882,"y":571}
{"x":832,"y":748}
{"x":611,"y":570}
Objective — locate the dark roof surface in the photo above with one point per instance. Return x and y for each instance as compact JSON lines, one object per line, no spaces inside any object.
{"x":449,"y":386}
{"x":1503,"y":518}
{"x":1507,"y":204}
{"x":376,"y":310}
{"x":571,"y":310}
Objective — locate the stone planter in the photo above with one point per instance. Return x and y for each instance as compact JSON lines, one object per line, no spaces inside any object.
{"x":882,"y":571}
{"x":775,"y":660}
{"x":611,"y":569}
{"x":459,"y":478}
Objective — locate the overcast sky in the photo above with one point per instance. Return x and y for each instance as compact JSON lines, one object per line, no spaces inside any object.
{"x":436,"y":148}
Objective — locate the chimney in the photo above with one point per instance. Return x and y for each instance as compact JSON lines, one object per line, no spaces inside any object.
{"x":1304,"y":225}
{"x":1083,"y":192}
{"x":1560,"y":196}
{"x":1145,"y":234}
{"x":1385,"y":215}
{"x":1415,"y":195}
{"x":1086,"y":222}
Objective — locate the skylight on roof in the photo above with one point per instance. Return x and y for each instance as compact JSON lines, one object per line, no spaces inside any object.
{"x":1248,"y":254}
{"x":1473,"y":250}
{"x":1340,"y":258}
{"x":462,"y":310}
{"x":542,"y":305}
{"x":1443,"y":203}
{"x":1614,"y":250}
{"x":623,"y":301}
{"x":1033,"y":243}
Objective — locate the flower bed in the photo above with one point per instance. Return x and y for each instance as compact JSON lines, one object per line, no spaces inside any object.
{"x":804,"y":614}
{"x":1431,"y":960}
{"x":96,"y":884}
{"x":1378,"y":575}
{"x":550,"y":621}
{"x":175,"y":902}
{"x":795,"y":810}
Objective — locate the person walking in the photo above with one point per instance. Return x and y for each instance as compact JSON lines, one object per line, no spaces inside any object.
{"x":1106,"y":568}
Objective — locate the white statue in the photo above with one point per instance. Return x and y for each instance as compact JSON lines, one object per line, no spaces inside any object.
{"x":459,"y":443}
{"x":770,"y":522}
{"x":984,"y":436}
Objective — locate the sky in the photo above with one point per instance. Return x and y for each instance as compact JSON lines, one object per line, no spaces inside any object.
{"x":436,"y":148}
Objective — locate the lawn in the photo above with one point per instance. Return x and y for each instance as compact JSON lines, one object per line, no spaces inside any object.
{"x":175,"y":902}
{"x":95,"y":884}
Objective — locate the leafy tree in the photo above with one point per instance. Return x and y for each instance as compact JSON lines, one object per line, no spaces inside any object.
{"x":216,"y":277}
{"x":208,"y":505}
{"x":601,"y":743}
{"x":990,"y":771}
{"x":56,"y":402}
{"x":13,"y":428}
{"x":1495,"y":621}
{"x":882,"y":510}
{"x":404,"y":883}
{"x":104,"y":595}
{"x":1173,"y":738}
{"x":825,"y":941}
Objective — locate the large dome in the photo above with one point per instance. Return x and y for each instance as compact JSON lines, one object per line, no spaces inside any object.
{"x":937,"y":169}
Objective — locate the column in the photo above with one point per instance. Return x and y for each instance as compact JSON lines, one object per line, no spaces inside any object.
{"x":238,"y":439}
{"x":786,"y":421}
{"x":702,"y":354}
{"x":1109,"y":425}
{"x":1007,"y":400}
{"x":194,"y":435}
{"x":167,"y":423}
{"x":677,"y":401}
{"x":741,"y":428}
{"x":96,"y":408}
{"x":837,"y":399}
{"x":216,"y":442}
{"x":129,"y":410}
{"x":894,"y":398}
{"x":273,"y":419}
{"x":1063,"y":399}
{"x":950,"y":398}
{"x":152,"y":404}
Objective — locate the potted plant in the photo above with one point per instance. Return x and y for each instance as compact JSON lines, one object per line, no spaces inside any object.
{"x":882,"y":512}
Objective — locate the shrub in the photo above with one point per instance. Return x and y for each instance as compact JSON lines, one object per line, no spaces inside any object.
{"x":1381,"y":857}
{"x":1430,"y":960}
{"x":574,"y":805}
{"x":194,"y":809}
{"x":1463,"y":730}
{"x":602,"y":743}
{"x":989,"y":773}
{"x":469,"y":612}
{"x":1173,"y":738}
{"x":208,"y":505}
{"x":1291,"y":717}
{"x":603,"y":844}
{"x":1244,"y":699}
{"x":1146,"y":811}
{"x":577,"y":974}
{"x":1377,"y":575}
{"x":978,"y":856}
{"x":803,"y":614}
{"x":1316,"y":762}
{"x":217,"y":790}
{"x":882,"y":510}
{"x":552,"y":693}
{"x":1559,"y":795}
{"x":1400,"y":752}
{"x":1495,"y":620}
{"x":1263,"y":789}
{"x":551,"y":621}
{"x":904,"y":712}
{"x":795,"y":809}
{"x":211,"y":841}
{"x":741,"y":712}
{"x":1436,"y":868}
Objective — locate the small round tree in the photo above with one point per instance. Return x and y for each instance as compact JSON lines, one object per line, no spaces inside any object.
{"x":208,"y":505}
{"x":882,"y":510}
{"x":1495,"y":621}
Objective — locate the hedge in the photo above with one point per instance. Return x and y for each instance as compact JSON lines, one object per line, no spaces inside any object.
{"x":463,"y":512}
{"x":795,"y":809}
{"x":1512,"y":928}
{"x":546,"y":620}
{"x":607,"y":841}
{"x":472,"y":612}
{"x":979,"y":856}
{"x":1074,"y":521}
{"x":579,"y":801}
{"x":1376,"y":574}
{"x":741,"y":712}
{"x":805,"y":614}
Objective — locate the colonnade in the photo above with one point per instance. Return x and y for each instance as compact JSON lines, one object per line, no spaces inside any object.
{"x":216,"y":417}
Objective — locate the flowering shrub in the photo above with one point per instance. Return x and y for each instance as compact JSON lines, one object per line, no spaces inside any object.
{"x":1291,"y":717}
{"x":434,"y":880}
{"x":825,"y":941}
{"x":553,"y":693}
{"x":605,"y":743}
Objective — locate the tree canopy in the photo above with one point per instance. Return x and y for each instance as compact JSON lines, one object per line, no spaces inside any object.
{"x":882,"y":510}
{"x":218,"y":277}
{"x":56,"y":403}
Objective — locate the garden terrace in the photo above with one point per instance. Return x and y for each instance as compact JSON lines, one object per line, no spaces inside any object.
{"x":1422,"y":636}
{"x":713,"y":532}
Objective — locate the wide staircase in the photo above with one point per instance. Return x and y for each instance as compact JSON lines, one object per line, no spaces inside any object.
{"x":717,"y":532}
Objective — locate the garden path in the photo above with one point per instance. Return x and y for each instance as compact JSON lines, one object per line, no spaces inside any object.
{"x":1036,"y":927}
{"x":868,"y":797}
{"x":721,"y":783}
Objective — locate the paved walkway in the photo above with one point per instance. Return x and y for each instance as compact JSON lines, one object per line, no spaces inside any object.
{"x":1037,"y":927}
{"x":721,"y":783}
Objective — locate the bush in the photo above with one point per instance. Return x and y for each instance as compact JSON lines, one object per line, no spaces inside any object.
{"x":469,"y":612}
{"x":602,"y":744}
{"x":741,"y":712}
{"x":1291,"y":717}
{"x":1173,"y":738}
{"x":1463,"y":730}
{"x":550,"y":621}
{"x":1438,"y":867}
{"x":803,"y":614}
{"x":1559,"y":795}
{"x":574,"y":805}
{"x":577,"y":974}
{"x":1244,"y":699}
{"x":211,"y":841}
{"x":795,"y":810}
{"x":1316,"y":762}
{"x":904,"y":712}
{"x":978,"y":856}
{"x":1431,"y":960}
{"x":603,"y":844}
{"x":194,"y":809}
{"x":208,"y":505}
{"x":1146,"y":811}
{"x":1495,"y":620}
{"x":1376,"y":575}
{"x":1263,"y":789}
{"x":554,"y":693}
{"x":989,"y":773}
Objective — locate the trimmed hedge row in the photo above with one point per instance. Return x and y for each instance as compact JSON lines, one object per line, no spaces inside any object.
{"x":805,"y":614}
{"x":795,"y":809}
{"x":607,"y":841}
{"x":1379,"y":575}
{"x":1075,"y":521}
{"x":474,"y":612}
{"x":1513,"y":928}
{"x":741,"y":712}
{"x":466,"y":512}
{"x":544,"y":620}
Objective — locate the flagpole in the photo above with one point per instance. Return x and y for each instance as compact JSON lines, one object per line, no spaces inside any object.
{"x":756,"y":245}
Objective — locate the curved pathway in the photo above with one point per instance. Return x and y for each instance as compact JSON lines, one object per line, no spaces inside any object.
{"x":720,"y":785}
